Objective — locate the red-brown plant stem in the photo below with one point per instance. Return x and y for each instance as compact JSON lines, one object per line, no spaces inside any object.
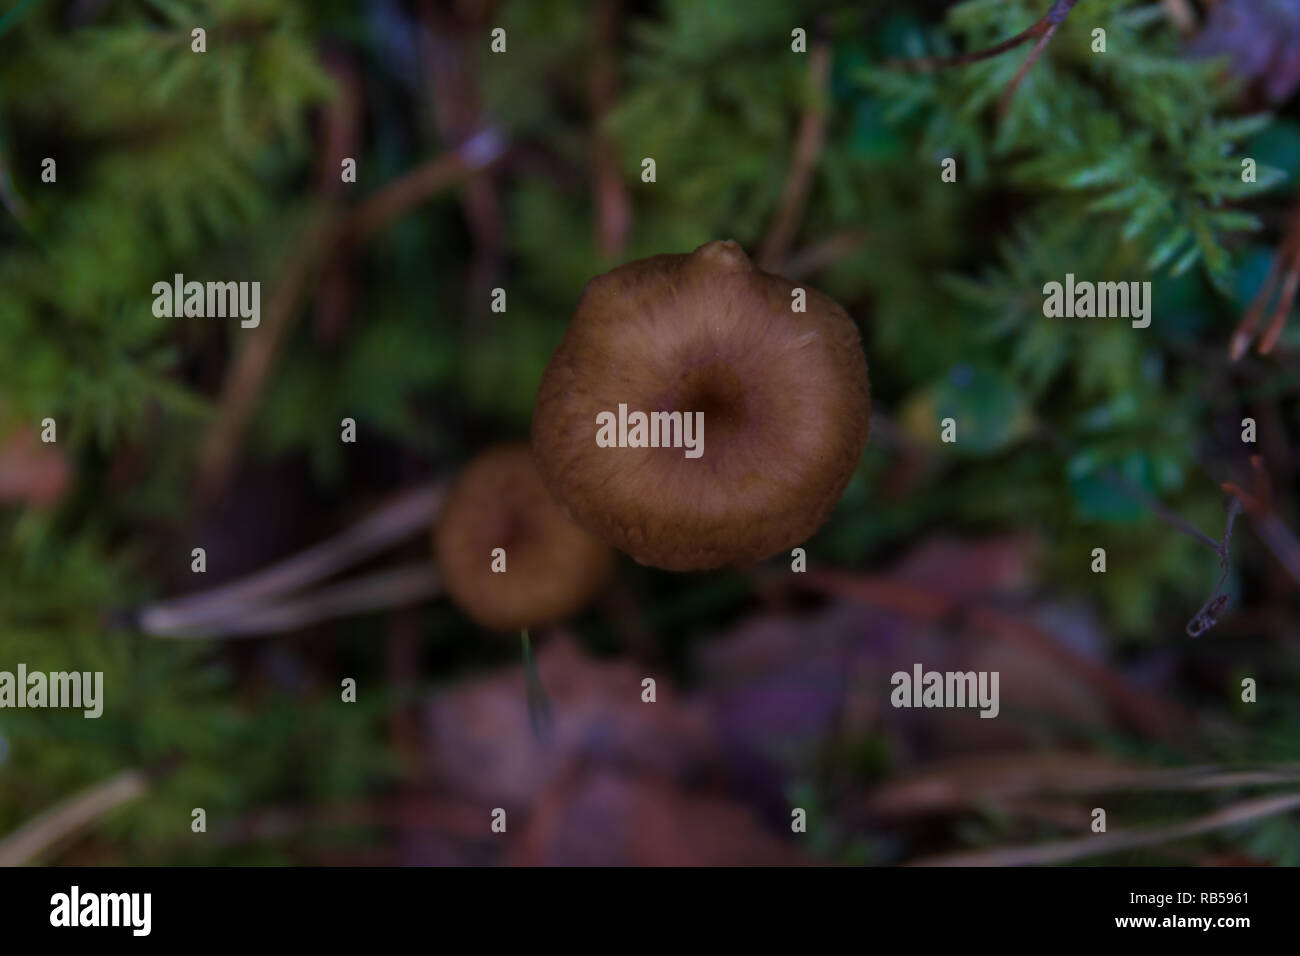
{"x":1285,"y":271}
{"x":1258,"y":505}
{"x":246,"y":380}
{"x":808,"y":147}
{"x":340,"y":130}
{"x":613,"y":212}
{"x":821,"y":254}
{"x":1042,"y":30}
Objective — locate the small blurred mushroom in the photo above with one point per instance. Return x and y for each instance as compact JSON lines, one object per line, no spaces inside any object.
{"x":782,"y":389}
{"x":552,"y":568}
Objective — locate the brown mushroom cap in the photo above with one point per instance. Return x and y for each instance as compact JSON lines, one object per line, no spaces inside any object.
{"x":784,"y":396}
{"x":553,"y":567}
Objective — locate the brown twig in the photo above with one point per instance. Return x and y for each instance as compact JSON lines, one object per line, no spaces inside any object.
{"x":1285,"y":271}
{"x":807,"y":149}
{"x":1042,"y":31}
{"x":1171,"y":518}
{"x":243,"y":385}
{"x":452,"y":32}
{"x":340,"y":131}
{"x":1208,"y":615}
{"x":613,"y":211}
{"x":422,"y":184}
{"x":821,"y":254}
{"x":1004,"y":101}
{"x":245,"y":382}
{"x":1258,"y":505}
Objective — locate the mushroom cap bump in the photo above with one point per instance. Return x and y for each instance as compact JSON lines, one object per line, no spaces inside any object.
{"x":553,"y":567}
{"x":784,"y":395}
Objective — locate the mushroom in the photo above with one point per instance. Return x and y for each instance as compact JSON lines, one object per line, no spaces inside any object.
{"x":552,"y":568}
{"x":783,"y":393}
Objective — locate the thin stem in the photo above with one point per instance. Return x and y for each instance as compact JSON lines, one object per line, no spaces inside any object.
{"x":807,"y":150}
{"x":242,"y":389}
{"x":398,"y":587}
{"x":1281,"y":541}
{"x":820,"y":254}
{"x":613,"y":207}
{"x":71,"y":816}
{"x":423,"y":183}
{"x":1258,"y":505}
{"x":1283,"y":309}
{"x":927,"y":63}
{"x":1285,"y":269}
{"x":1103,"y":844}
{"x":1171,"y":518}
{"x":1043,"y":30}
{"x":1209,"y":613}
{"x":539,"y":704}
{"x":393,"y":522}
{"x":967,"y":784}
{"x":1004,"y":101}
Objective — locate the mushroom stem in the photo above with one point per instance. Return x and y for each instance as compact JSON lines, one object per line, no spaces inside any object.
{"x":539,"y":703}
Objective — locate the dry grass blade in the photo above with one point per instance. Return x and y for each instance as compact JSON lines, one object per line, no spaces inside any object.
{"x":967,"y":783}
{"x":1103,"y":844}
{"x":398,"y":587}
{"x":65,"y":819}
{"x":395,"y":521}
